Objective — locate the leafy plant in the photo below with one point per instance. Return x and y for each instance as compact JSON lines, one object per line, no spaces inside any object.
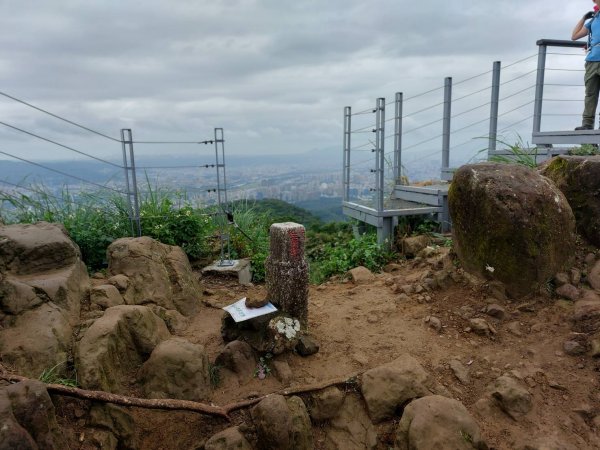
{"x":214,"y":373}
{"x":52,"y":376}
{"x":585,"y":150}
{"x":262,"y":368}
{"x":519,"y":154}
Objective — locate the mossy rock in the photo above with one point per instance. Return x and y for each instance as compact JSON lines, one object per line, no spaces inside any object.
{"x":578,"y":178}
{"x":510,"y":224}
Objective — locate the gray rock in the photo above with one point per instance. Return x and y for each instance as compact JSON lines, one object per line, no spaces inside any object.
{"x":238,"y":357}
{"x":118,"y":424}
{"x":590,"y":259}
{"x":282,"y":371}
{"x":361,"y":275}
{"x":351,"y":429}
{"x":228,"y":439}
{"x":282,"y":424}
{"x":176,"y":369}
{"x":593,"y":276}
{"x":434,"y":323}
{"x":326,"y":404}
{"x":460,"y":371}
{"x":575,"y":275}
{"x":481,"y":327}
{"x":568,"y":291}
{"x":561,"y":278}
{"x":511,"y":396}
{"x":492,"y":207}
{"x":436,"y":422}
{"x":105,"y":296}
{"x":307,"y":346}
{"x":574,"y":348}
{"x":411,"y":246}
{"x":495,"y":311}
{"x":389,"y":386}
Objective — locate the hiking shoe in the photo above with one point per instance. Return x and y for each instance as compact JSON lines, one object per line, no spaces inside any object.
{"x":584,"y":127}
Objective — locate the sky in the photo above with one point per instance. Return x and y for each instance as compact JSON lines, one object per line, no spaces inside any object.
{"x":274,"y":74}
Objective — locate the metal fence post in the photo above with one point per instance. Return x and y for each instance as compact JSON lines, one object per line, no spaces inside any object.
{"x":379,"y":151}
{"x":398,"y":139}
{"x":346,"y":169}
{"x":494,"y":108}
{"x":226,"y":216}
{"x":132,"y":188}
{"x":539,"y":88}
{"x":446,"y":129}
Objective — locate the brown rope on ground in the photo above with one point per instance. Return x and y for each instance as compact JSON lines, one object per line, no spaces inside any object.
{"x":173,"y":404}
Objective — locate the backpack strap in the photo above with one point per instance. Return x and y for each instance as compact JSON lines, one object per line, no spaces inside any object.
{"x":589,"y":42}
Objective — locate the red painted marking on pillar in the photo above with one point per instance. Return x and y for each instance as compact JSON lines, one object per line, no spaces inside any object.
{"x":295,"y":237}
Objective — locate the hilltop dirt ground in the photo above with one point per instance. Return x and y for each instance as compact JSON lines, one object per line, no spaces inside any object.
{"x":361,"y":326}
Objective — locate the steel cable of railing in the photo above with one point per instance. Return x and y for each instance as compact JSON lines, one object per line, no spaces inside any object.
{"x":517,"y":93}
{"x":520,"y":61}
{"x":563,"y":85}
{"x":471,"y":94}
{"x":551,"y":69}
{"x":59,"y":117}
{"x":60,"y":145}
{"x":173,"y":142}
{"x":563,"y":100}
{"x":422,"y":126}
{"x":562,"y":115}
{"x":514,"y":109}
{"x":366,"y":111}
{"x":516,"y":123}
{"x":471,"y":125}
{"x":83,"y":180}
{"x":470,"y":110}
{"x":564,"y":54}
{"x":202,"y":166}
{"x":523,"y":75}
{"x":423,"y":142}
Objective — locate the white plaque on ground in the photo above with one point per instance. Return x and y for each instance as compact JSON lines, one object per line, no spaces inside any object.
{"x":240,"y":312}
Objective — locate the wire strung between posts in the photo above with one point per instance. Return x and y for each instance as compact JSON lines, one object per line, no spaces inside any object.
{"x":59,"y":117}
{"x":423,"y":93}
{"x":422,"y":126}
{"x":60,"y":145}
{"x":514,"y":109}
{"x":204,"y":166}
{"x":564,"y":70}
{"x":561,"y":115}
{"x":516,"y":123}
{"x":563,"y":99}
{"x":520,"y":61}
{"x":564,"y":54}
{"x":173,"y":142}
{"x":517,"y":93}
{"x":472,"y":78}
{"x":366,"y":111}
{"x":472,"y":93}
{"x":470,"y":110}
{"x":518,"y":77}
{"x":563,"y":84}
{"x":423,"y":142}
{"x":470,"y":125}
{"x":62,"y":173}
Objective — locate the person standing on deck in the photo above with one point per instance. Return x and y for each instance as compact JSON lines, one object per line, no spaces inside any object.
{"x":591,"y":29}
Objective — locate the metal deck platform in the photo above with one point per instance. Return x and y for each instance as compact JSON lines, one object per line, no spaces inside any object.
{"x":549,"y":138}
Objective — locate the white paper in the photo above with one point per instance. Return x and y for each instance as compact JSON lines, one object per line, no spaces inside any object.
{"x":240,"y":312}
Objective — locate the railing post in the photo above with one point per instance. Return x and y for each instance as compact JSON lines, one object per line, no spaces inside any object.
{"x":226,"y":217}
{"x":346,"y":169}
{"x":132,"y":188}
{"x":539,"y":88}
{"x":446,"y":129}
{"x":494,"y":108}
{"x":398,"y":139}
{"x":379,"y":151}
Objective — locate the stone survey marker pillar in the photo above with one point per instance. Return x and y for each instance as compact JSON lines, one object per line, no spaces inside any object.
{"x":287,"y":270}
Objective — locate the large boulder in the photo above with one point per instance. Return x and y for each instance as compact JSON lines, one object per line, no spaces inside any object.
{"x":351,"y":428}
{"x":578,"y":177}
{"x":282,"y":424}
{"x":228,"y":439}
{"x":176,"y":369}
{"x":28,"y":418}
{"x":157,"y":273}
{"x":116,"y":344}
{"x":510,"y":224}
{"x":38,"y":339}
{"x":388,"y":387}
{"x":39,"y":264}
{"x":437,"y":422}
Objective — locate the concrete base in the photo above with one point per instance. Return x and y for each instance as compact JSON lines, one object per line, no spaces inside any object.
{"x":239,"y":268}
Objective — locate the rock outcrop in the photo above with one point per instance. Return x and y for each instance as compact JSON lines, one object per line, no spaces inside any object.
{"x":510,"y":224}
{"x":578,"y":177}
{"x":42,"y":285}
{"x":28,"y":418}
{"x":390,"y":386}
{"x":157,"y":273}
{"x":117,"y":343}
{"x":176,"y":369}
{"x":437,"y":422}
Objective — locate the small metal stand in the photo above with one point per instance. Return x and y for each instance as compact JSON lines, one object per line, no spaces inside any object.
{"x":224,"y":222}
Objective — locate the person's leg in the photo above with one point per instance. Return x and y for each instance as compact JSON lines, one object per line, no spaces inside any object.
{"x":592,"y":88}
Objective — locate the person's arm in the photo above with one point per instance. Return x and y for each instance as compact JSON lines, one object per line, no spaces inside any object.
{"x":580,"y":29}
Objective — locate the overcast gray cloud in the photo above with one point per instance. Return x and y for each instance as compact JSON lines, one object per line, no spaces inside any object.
{"x":274,"y":74}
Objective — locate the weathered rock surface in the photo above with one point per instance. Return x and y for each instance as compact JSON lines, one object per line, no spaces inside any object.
{"x":388,"y":387}
{"x":351,"y":429}
{"x":578,"y":177}
{"x":282,"y":424}
{"x":510,"y":224}
{"x":158,"y":273}
{"x":412,"y":245}
{"x":238,"y":357}
{"x":176,"y":369}
{"x":228,"y":439}
{"x":118,"y":342}
{"x":38,"y":339}
{"x":326,"y":404}
{"x":594,"y":276}
{"x":361,"y":275}
{"x":105,"y":296}
{"x":511,"y":396}
{"x":115,"y":428}
{"x":437,"y":422}
{"x":586,"y":313}
{"x":28,"y":419}
{"x":175,"y":321}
